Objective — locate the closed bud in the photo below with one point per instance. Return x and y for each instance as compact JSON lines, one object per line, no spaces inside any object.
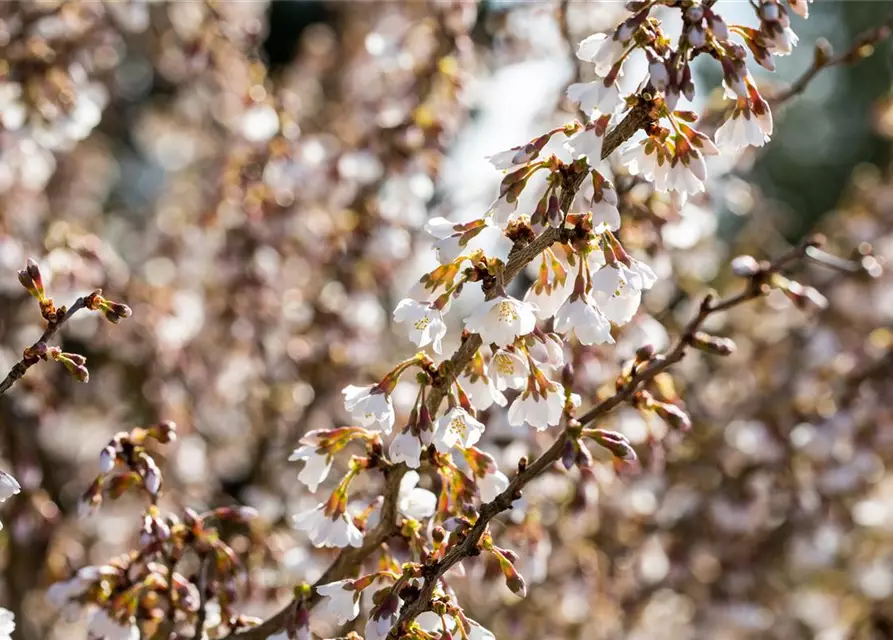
{"x":567,"y":376}
{"x":745,"y":266}
{"x":569,"y":455}
{"x":713,"y":344}
{"x":673,"y":415}
{"x":584,"y":458}
{"x":615,"y":442}
{"x":515,"y":582}
{"x":165,"y":431}
{"x":823,"y":52}
{"x":107,"y":459}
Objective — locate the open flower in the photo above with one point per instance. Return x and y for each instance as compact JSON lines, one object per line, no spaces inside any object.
{"x":340,"y":600}
{"x":406,"y":447}
{"x":618,"y":292}
{"x":501,"y":320}
{"x":481,"y":389}
{"x":414,"y":502}
{"x":7,"y":624}
{"x":455,"y":240}
{"x":456,"y":428}
{"x":324,"y":530}
{"x":550,"y":289}
{"x":424,"y":321}
{"x":370,"y":406}
{"x":539,"y":409}
{"x":604,"y":51}
{"x":600,"y":95}
{"x":650,"y":158}
{"x":581,"y":314}
{"x":317,"y":463}
{"x":509,"y":370}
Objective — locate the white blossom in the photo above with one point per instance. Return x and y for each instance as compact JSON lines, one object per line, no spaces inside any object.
{"x":456,"y":428}
{"x":424,"y":321}
{"x":326,"y":531}
{"x":371,"y":407}
{"x":587,"y":144}
{"x":482,"y":391}
{"x":547,"y":292}
{"x":101,"y":625}
{"x":580,"y":314}
{"x":650,"y":159}
{"x":415,"y":502}
{"x":378,"y":627}
{"x":492,"y":484}
{"x":339,"y":600}
{"x":509,"y":370}
{"x":501,"y":320}
{"x":478,"y":632}
{"x":744,"y":128}
{"x":316,"y":465}
{"x":405,"y":447}
{"x":452,"y":244}
{"x":595,"y":96}
{"x":7,"y":624}
{"x":601,"y":50}
{"x":781,"y":41}
{"x":539,"y":411}
{"x":501,"y":211}
{"x":618,"y":292}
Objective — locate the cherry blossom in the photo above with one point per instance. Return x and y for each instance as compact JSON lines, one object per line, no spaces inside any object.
{"x":424,"y":321}
{"x":481,"y":388}
{"x":7,"y":624}
{"x":492,"y":484}
{"x":406,"y":448}
{"x":452,"y":244}
{"x":581,"y":314}
{"x":550,"y":289}
{"x":456,"y":428}
{"x":325,"y":530}
{"x":340,"y":600}
{"x":415,"y":502}
{"x":539,"y":410}
{"x":317,"y":464}
{"x":617,"y":290}
{"x":603,"y":51}
{"x":501,"y":320}
{"x":600,"y":95}
{"x":370,"y":406}
{"x":509,"y":370}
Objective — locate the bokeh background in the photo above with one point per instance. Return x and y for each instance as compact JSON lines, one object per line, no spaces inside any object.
{"x":252,"y":179}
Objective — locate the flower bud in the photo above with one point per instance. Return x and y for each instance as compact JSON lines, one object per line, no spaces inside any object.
{"x":713,"y":344}
{"x":615,"y":442}
{"x":569,"y":455}
{"x":673,"y":415}
{"x":107,"y":459}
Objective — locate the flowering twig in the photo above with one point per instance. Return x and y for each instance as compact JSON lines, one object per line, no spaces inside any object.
{"x":469,"y":545}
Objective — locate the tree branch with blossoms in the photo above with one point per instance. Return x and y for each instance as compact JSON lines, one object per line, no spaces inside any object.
{"x":587,"y":287}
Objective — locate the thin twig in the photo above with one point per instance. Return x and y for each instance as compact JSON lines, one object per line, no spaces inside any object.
{"x":21,"y":367}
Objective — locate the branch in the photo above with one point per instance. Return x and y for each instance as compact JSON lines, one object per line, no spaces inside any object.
{"x":468,"y":546}
{"x":521,"y":255}
{"x":21,"y":367}
{"x":347,"y":561}
{"x":862,"y":47}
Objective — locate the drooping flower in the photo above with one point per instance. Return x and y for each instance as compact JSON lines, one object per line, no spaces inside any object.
{"x":407,"y":448}
{"x":588,"y":143}
{"x":413,"y":501}
{"x":501,"y":320}
{"x":383,"y":618}
{"x":749,"y":124}
{"x":480,"y":387}
{"x":520,"y":155}
{"x":550,"y":288}
{"x":604,"y":51}
{"x":370,"y":406}
{"x":617,"y":290}
{"x":650,"y":158}
{"x":424,"y":321}
{"x":509,"y":370}
{"x":324,"y":530}
{"x":317,"y":464}
{"x":340,"y":600}
{"x":581,"y":314}
{"x":492,"y":484}
{"x":456,"y":428}
{"x":538,"y":408}
{"x":455,"y":240}
{"x":600,"y":95}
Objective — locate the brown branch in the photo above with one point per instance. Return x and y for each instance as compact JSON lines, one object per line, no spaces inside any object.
{"x":21,"y":367}
{"x":468,"y":546}
{"x":823,"y":58}
{"x":347,"y":562}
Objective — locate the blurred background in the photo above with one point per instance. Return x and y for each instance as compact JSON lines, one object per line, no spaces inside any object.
{"x":252,"y":179}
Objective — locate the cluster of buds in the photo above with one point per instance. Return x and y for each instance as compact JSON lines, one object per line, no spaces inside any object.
{"x":127,"y":456}
{"x":180,"y":566}
{"x":114,"y":312}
